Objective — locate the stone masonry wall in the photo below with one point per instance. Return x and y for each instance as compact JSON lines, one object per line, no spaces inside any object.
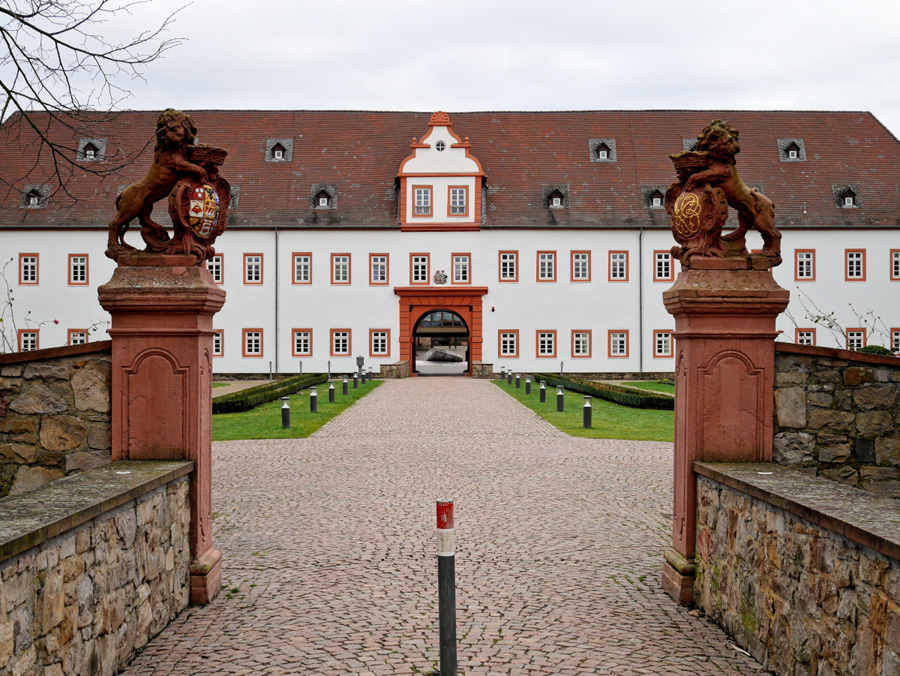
{"x":801,"y":599}
{"x":54,"y":414}
{"x":837,"y":415}
{"x":85,"y":601}
{"x":398,"y":369}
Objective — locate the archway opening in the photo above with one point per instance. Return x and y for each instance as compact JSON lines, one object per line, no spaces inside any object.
{"x":441,"y":344}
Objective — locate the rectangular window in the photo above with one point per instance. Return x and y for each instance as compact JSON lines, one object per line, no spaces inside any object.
{"x":340,"y":268}
{"x":301,"y":342}
{"x":253,"y":345}
{"x":508,"y":343}
{"x":618,"y":343}
{"x":28,"y":340}
{"x":509,"y":268}
{"x":340,"y":342}
{"x":302,"y":268}
{"x":461,"y":269}
{"x":662,"y":344}
{"x":458,"y":199}
{"x":804,"y":265}
{"x":581,"y":344}
{"x":78,"y":269}
{"x":378,"y":269}
{"x":379,"y":343}
{"x":77,"y":337}
{"x":805,"y":336}
{"x":856,"y":265}
{"x":546,"y":343}
{"x":218,"y":343}
{"x":253,"y":268}
{"x":895,"y":340}
{"x":28,"y":268}
{"x":618,"y":266}
{"x":581,"y":266}
{"x":856,"y":339}
{"x":422,"y":196}
{"x":895,"y":265}
{"x":418,"y":268}
{"x":662,"y":266}
{"x":216,"y":267}
{"x":546,"y":266}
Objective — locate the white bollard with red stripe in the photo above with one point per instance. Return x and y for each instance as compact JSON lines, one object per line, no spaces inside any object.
{"x":446,"y":586}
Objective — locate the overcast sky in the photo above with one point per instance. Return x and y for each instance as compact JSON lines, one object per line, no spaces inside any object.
{"x":500,"y":55}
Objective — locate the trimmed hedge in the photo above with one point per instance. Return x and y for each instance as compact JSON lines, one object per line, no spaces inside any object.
{"x":254,"y":396}
{"x":614,"y":393}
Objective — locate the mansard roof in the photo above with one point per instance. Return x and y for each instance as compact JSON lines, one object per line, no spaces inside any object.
{"x":359,"y":153}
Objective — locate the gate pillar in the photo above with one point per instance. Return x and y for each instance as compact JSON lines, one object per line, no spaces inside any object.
{"x":162,"y":308}
{"x":725,"y":370}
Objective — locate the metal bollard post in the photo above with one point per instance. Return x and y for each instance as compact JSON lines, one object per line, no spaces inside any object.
{"x":509,"y":377}
{"x":301,"y":367}
{"x":270,"y":370}
{"x":286,"y":413}
{"x":518,"y":380}
{"x":329,"y":368}
{"x":313,"y":400}
{"x":331,"y":393}
{"x":355,"y":380}
{"x":560,"y":399}
{"x":362,"y":374}
{"x":370,"y":374}
{"x":502,"y":373}
{"x":527,"y":385}
{"x":345,"y":386}
{"x":588,"y":412}
{"x":543,"y":391}
{"x":446,"y":586}
{"x":560,"y":368}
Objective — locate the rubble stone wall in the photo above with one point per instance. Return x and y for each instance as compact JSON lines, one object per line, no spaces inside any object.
{"x":398,"y":369}
{"x":837,"y":415}
{"x":54,"y":414}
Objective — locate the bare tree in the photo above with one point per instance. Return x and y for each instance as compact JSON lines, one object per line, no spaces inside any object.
{"x":58,"y":67}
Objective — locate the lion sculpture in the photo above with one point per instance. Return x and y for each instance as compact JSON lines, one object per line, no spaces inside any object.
{"x":708,"y":180}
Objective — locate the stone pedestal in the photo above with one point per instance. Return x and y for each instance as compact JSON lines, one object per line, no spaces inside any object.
{"x":162,"y":309}
{"x":725,"y":315}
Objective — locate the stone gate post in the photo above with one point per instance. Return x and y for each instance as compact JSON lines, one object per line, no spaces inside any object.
{"x":725,"y":315}
{"x":162,"y":308}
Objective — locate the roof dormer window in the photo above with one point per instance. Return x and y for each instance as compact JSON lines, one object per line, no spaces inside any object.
{"x":603,"y":152}
{"x":34,"y":199}
{"x":278,"y":152}
{"x":90,"y":151}
{"x":322,"y":200}
{"x":793,"y":151}
{"x":848,"y":199}
{"x":602,"y":149}
{"x":556,"y":200}
{"x":655,"y":200}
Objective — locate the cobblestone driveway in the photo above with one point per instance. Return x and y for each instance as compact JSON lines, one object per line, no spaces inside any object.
{"x":328,"y":546}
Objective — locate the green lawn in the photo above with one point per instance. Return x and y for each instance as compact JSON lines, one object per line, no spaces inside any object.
{"x":652,"y":385}
{"x":610,"y":421}
{"x":264,"y":421}
{"x":215,"y":385}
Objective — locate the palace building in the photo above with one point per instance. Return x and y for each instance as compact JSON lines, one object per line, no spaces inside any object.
{"x":532,"y":241}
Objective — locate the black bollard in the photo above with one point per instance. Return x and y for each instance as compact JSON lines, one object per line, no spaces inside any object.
{"x":331,"y":393}
{"x":518,"y":380}
{"x":543,"y":391}
{"x":446,"y":587}
{"x":509,"y":377}
{"x":363,"y":376}
{"x":345,"y":386}
{"x":285,"y":413}
{"x":588,"y":413}
{"x":560,"y":399}
{"x":313,"y":400}
{"x":355,"y":381}
{"x":527,"y":385}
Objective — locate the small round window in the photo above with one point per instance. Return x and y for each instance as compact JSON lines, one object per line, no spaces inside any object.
{"x":439,"y":146}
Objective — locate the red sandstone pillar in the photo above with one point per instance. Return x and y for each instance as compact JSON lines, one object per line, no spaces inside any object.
{"x":725,"y":372}
{"x":162,"y":308}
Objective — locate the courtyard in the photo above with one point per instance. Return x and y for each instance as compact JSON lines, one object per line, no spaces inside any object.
{"x":329,"y":550}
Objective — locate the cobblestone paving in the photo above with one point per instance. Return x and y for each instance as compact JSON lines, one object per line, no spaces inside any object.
{"x":329,"y":549}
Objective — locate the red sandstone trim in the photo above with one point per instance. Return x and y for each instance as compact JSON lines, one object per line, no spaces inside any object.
{"x":450,"y":189}
{"x":537,"y":271}
{"x":372,"y":333}
{"x":500,"y":354}
{"x":37,"y":269}
{"x":572,"y":266}
{"x":53,"y":352}
{"x":836,"y":353}
{"x":453,"y":268}
{"x":387,"y":269}
{"x":610,"y":269}
{"x":671,"y":276}
{"x":590,"y":344}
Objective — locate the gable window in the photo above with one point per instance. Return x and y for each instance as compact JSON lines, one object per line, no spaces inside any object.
{"x":418,"y":268}
{"x":555,"y":200}
{"x":422,"y":196}
{"x":440,"y":146}
{"x":581,"y":344}
{"x":380,"y":343}
{"x":895,"y":264}
{"x":602,"y":149}
{"x":509,"y":271}
{"x":805,"y":336}
{"x":805,"y":265}
{"x":378,"y":269}
{"x":458,"y":201}
{"x":662,"y":344}
{"x":340,"y":268}
{"x":461,"y":263}
{"x":508,"y":343}
{"x":77,"y":337}
{"x":662,"y":266}
{"x":253,"y":346}
{"x":218,"y":343}
{"x":28,"y":340}
{"x":546,"y":261}
{"x":581,"y":266}
{"x":303,"y":268}
{"x":78,"y":269}
{"x":302,"y":343}
{"x":28,"y":268}
{"x":618,"y":266}
{"x":618,"y":343}
{"x":340,"y":342}
{"x":855,"y":265}
{"x":546,"y":343}
{"x":856,"y":339}
{"x":216,"y":267}
{"x":253,"y":273}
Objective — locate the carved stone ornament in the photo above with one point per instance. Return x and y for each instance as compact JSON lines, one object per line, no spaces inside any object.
{"x":708,"y":183}
{"x":198,"y":197}
{"x":440,"y":277}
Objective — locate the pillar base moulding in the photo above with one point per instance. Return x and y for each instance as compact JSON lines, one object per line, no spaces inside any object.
{"x":162,"y":309}
{"x":678,"y":577}
{"x":724,"y":395}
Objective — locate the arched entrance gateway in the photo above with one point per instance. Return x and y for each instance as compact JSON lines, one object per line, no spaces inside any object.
{"x":419,"y":308}
{"x":440,"y":344}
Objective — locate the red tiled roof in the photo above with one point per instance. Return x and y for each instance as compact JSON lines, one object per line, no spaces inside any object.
{"x":360,"y":153}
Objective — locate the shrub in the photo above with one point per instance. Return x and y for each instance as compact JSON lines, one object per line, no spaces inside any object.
{"x":876,"y":349}
{"x":254,"y":396}
{"x":613,"y":393}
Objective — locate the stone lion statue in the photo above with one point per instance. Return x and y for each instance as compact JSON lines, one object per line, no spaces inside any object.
{"x":707,"y":177}
{"x":175,"y":132}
